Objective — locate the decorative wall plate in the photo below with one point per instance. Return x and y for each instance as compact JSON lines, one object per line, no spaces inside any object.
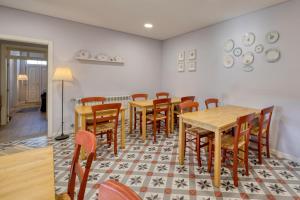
{"x":181,"y":56}
{"x":272,"y":55}
{"x":101,"y":57}
{"x":237,"y":52}
{"x":119,"y":59}
{"x":191,"y":66}
{"x":191,"y":54}
{"x":248,"y":39}
{"x":83,"y":54}
{"x":229,"y":45}
{"x":180,"y":67}
{"x":228,"y":61}
{"x":248,"y":58}
{"x":259,"y":48}
{"x":272,"y":37}
{"x":248,"y":68}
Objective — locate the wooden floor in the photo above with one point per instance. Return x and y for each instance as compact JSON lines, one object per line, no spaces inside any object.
{"x":26,"y":123}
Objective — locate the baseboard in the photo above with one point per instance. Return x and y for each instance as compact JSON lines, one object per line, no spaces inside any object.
{"x":280,"y":154}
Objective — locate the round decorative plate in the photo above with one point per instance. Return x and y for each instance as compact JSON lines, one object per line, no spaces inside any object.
{"x":83,"y":54}
{"x":248,"y":39}
{"x":272,"y":55}
{"x":259,"y":48}
{"x":101,"y":57}
{"x":229,"y":45}
{"x":237,"y":52}
{"x":248,"y":58}
{"x":228,"y":61}
{"x":248,"y":68}
{"x":272,"y":37}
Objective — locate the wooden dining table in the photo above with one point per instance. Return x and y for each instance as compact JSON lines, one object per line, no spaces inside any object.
{"x":145,"y":105}
{"x":216,"y":120}
{"x":84,"y":112}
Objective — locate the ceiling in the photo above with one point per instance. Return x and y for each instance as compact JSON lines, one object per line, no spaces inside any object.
{"x":169,"y":17}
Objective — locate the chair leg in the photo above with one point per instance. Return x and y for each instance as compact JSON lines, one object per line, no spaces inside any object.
{"x":115,"y":143}
{"x":141,"y":124}
{"x":268,"y":146}
{"x":158,"y":126}
{"x":134,"y":121}
{"x":210,"y":154}
{"x":184,"y":148}
{"x":259,"y":148}
{"x":198,"y":150}
{"x":154,"y":131}
{"x":235,"y":167}
{"x":167,"y":127}
{"x":224,"y":155}
{"x":246,"y":161}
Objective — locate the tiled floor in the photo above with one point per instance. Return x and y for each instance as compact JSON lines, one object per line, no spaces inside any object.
{"x":26,"y":123}
{"x":152,"y":170}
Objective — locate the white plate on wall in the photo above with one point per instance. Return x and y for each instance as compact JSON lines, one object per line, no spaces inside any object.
{"x":101,"y":57}
{"x":228,"y":61}
{"x":83,"y":54}
{"x":259,"y":48}
{"x":272,"y":55}
{"x":272,"y":37}
{"x":229,"y":45}
{"x":237,"y":52}
{"x":248,"y":39}
{"x":248,"y":58}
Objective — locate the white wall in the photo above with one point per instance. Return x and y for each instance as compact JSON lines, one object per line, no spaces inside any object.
{"x":139,"y":74}
{"x":268,"y":84}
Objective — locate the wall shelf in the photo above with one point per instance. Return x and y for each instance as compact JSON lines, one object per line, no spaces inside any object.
{"x":99,"y":61}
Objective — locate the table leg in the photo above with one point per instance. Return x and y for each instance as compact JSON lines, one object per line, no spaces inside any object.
{"x":76,"y":123}
{"x":130,"y":117}
{"x":217,"y":161}
{"x":144,"y":110}
{"x":181,"y":141}
{"x":172,"y":118}
{"x":123,"y":129}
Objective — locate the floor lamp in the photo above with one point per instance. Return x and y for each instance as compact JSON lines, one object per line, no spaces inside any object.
{"x":62,"y":74}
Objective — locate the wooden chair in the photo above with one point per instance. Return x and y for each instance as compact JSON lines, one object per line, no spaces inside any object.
{"x":235,"y":144}
{"x":136,"y":112}
{"x":161,"y":109}
{"x":113,"y":190}
{"x":105,"y":122}
{"x":261,"y":132}
{"x":162,"y":95}
{"x":177,"y":110}
{"x":91,"y":101}
{"x":196,"y":133}
{"x":211,"y":101}
{"x":87,"y":141}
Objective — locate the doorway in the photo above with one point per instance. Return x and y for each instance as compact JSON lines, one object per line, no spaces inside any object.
{"x":24,"y":68}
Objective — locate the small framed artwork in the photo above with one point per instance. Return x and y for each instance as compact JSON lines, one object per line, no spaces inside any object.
{"x":191,"y":66}
{"x":191,"y":54}
{"x":181,"y":56}
{"x":180,"y":67}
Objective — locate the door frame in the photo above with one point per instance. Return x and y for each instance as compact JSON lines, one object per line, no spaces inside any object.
{"x":15,"y":38}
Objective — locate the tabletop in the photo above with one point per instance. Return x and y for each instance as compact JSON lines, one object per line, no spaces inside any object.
{"x":80,"y":109}
{"x":149,"y":103}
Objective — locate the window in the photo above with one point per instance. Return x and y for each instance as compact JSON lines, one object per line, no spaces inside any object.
{"x":36,"y":62}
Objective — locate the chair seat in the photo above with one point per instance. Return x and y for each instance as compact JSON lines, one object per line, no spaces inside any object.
{"x":158,"y":117}
{"x":255,"y":131}
{"x":228,"y":142}
{"x":202,"y":132}
{"x":63,"y":196}
{"x":102,"y":128}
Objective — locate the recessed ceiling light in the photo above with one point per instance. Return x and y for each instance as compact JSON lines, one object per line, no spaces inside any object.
{"x":147,"y":25}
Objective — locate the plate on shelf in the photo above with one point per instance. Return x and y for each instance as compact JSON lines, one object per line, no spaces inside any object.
{"x":101,"y":57}
{"x":228,"y":61}
{"x":272,"y":55}
{"x":83,"y":54}
{"x":119,"y":59}
{"x":248,"y":39}
{"x":272,"y":37}
{"x":229,"y":45}
{"x":248,"y":58}
{"x":259,"y":48}
{"x":237,"y":52}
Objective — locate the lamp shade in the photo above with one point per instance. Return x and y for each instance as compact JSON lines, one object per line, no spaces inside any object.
{"x":62,"y":74}
{"x":22,"y":77}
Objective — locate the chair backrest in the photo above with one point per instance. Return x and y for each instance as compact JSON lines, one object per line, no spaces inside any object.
{"x":162,"y":95}
{"x":243,"y":129}
{"x":265,"y":119}
{"x":161,"y":105}
{"x":211,"y":101}
{"x":106,"y":112}
{"x":186,"y":98}
{"x":87,"y":141}
{"x":139,"y":96}
{"x":113,"y":190}
{"x":92,"y":100}
{"x":188,"y":106}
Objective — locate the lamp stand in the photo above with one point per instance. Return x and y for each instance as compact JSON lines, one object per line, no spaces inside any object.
{"x":62,"y":136}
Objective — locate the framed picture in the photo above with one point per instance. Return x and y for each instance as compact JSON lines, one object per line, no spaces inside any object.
{"x":181,"y":56}
{"x":191,"y":54}
{"x":191,"y":66}
{"x":180,"y":67}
